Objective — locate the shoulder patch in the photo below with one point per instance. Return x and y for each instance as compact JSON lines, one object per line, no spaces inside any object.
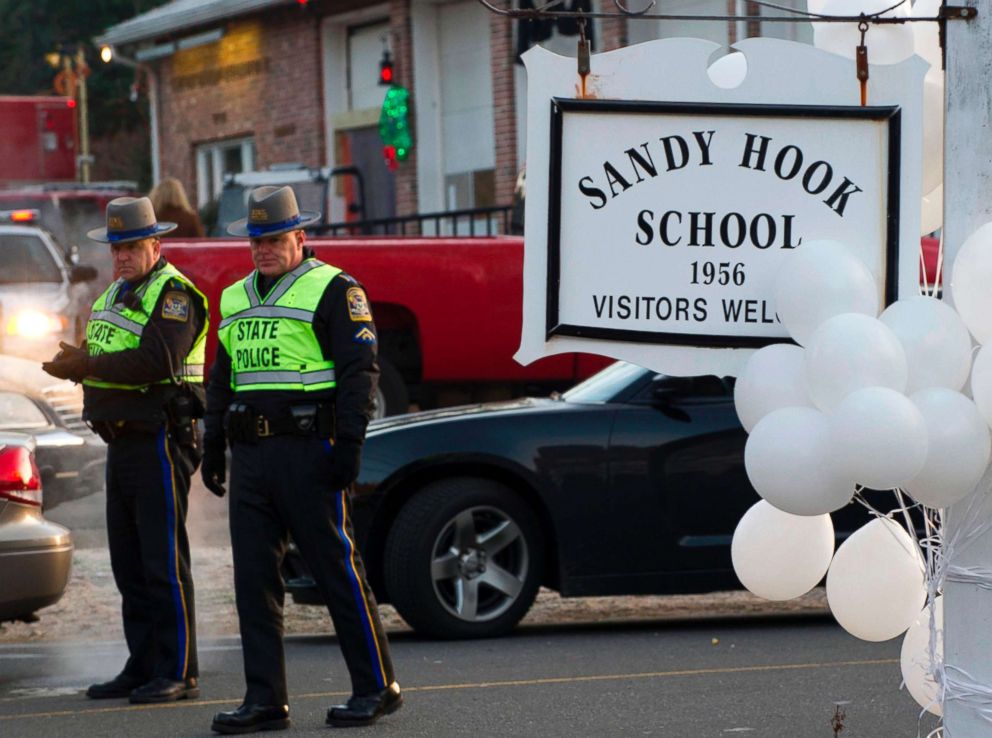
{"x":175,"y":306}
{"x":364,"y":335}
{"x":358,"y":305}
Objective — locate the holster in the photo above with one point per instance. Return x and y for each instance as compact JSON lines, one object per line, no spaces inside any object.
{"x":179,"y":410}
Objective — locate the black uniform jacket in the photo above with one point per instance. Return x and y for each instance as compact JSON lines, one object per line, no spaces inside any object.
{"x":166,"y":339}
{"x":346,"y":335}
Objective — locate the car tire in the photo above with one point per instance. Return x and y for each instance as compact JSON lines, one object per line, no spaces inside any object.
{"x":464,"y":559}
{"x":391,"y":397}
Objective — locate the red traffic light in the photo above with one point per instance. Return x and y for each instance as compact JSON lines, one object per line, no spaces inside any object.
{"x":386,"y":69}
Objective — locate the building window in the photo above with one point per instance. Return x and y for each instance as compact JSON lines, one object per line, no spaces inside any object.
{"x":365,"y":48}
{"x":467,"y":133}
{"x":216,"y":160}
{"x":727,"y":33}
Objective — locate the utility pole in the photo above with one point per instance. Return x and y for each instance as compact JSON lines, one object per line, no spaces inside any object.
{"x":82,"y":72}
{"x":967,"y":205}
{"x":71,"y":82}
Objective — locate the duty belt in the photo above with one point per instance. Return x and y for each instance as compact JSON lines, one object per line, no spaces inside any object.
{"x":245,"y":424}
{"x":110,"y":430}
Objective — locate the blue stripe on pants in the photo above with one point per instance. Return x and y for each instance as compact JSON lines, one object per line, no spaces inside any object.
{"x":178,"y":598}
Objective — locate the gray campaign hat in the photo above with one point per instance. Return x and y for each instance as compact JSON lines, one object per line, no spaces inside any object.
{"x":130,"y":219}
{"x":271,"y":211}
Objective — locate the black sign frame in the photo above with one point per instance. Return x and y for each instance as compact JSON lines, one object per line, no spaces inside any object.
{"x":560,"y":106}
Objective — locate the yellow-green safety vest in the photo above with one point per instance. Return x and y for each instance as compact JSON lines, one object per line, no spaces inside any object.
{"x":271,"y":342}
{"x":113,"y":327}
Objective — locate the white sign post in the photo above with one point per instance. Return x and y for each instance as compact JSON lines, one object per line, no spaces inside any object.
{"x":660,"y":206}
{"x":968,"y":205}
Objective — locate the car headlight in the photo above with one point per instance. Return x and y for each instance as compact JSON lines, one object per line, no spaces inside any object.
{"x":33,"y":323}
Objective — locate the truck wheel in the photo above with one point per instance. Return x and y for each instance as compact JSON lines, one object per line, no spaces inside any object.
{"x":391,"y":397}
{"x":463,"y":559}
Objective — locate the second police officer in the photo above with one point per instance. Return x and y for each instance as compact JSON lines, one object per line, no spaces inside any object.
{"x":291,"y":392}
{"x":142,"y":375}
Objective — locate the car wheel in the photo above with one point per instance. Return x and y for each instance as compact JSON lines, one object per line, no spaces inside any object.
{"x":464,"y":559}
{"x":391,"y":397}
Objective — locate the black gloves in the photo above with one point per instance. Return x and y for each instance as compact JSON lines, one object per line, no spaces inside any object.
{"x":345,"y":462}
{"x":70,"y":363}
{"x":213,"y":468}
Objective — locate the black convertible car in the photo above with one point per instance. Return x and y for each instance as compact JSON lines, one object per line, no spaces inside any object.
{"x":630,"y":483}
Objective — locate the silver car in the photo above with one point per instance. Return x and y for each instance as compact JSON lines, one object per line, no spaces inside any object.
{"x":35,"y":555}
{"x":72,"y":459}
{"x":43,"y":296}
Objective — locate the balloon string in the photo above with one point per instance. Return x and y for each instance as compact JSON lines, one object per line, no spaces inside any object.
{"x":938,"y":277}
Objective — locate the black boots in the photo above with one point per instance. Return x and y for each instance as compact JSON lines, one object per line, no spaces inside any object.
{"x":161,"y":689}
{"x":366,"y":709}
{"x":120,"y":686}
{"x":252,"y":718}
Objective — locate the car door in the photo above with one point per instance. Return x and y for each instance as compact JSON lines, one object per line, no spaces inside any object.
{"x":677,"y":454}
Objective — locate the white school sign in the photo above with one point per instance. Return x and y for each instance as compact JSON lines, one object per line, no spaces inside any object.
{"x":660,"y":206}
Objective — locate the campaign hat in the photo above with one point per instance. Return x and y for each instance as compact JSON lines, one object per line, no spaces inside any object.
{"x":271,"y":211}
{"x":130,"y":219}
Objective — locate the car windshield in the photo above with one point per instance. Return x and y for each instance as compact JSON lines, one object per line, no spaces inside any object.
{"x":18,"y":412}
{"x":605,"y":385}
{"x":25,"y":258}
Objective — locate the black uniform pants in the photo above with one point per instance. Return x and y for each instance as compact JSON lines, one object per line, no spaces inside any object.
{"x":147,"y":491}
{"x":279,"y":488}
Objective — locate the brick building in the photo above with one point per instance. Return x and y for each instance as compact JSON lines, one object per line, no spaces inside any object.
{"x":238,"y":85}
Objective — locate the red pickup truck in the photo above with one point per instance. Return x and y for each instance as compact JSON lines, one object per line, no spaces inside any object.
{"x":448,"y":312}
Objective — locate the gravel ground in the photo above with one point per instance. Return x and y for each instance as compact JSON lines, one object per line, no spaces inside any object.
{"x":90,"y":608}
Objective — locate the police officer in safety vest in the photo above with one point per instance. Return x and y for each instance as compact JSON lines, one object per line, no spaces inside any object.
{"x":291,"y":392}
{"x":142,"y":373}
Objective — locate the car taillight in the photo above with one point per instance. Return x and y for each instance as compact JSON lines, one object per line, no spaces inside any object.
{"x":19,"y":477}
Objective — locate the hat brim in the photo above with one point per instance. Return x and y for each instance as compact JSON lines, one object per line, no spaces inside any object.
{"x":101,"y":235}
{"x":240,"y":227}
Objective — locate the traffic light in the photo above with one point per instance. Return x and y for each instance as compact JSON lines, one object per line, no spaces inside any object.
{"x":386,"y":69}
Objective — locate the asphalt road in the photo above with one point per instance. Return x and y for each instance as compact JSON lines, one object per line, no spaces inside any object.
{"x":760,"y":677}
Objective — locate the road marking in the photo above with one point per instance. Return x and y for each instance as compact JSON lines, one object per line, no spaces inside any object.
{"x":644,"y":675}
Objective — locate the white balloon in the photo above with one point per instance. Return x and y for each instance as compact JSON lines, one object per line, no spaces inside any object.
{"x":819,"y":280}
{"x":970,"y":279}
{"x":879,"y":438}
{"x":926,"y":36}
{"x":774,"y":377}
{"x":849,"y":352}
{"x":788,"y":458}
{"x":780,"y":556}
{"x":932,"y":211}
{"x":875,"y":586}
{"x":887,"y":44}
{"x":728,"y":71}
{"x":915,"y":658}
{"x":933,"y":128}
{"x":981,"y":383}
{"x":958,"y":448}
{"x":936,"y":342}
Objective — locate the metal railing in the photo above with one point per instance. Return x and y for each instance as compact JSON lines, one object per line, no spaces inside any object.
{"x":488,"y":221}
